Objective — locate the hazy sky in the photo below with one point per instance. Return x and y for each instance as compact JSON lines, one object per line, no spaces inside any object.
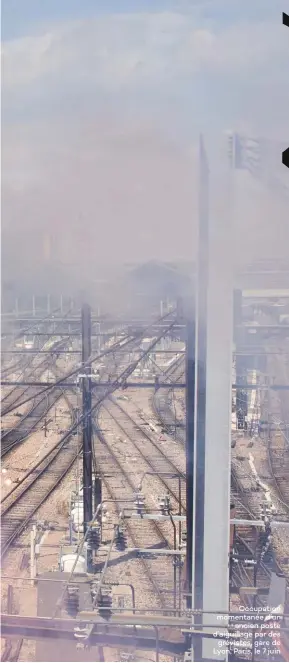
{"x":102,"y":101}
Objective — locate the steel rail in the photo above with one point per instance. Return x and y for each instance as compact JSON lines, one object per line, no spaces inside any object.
{"x":121,"y":379}
{"x":172,"y":467}
{"x":10,"y":531}
{"x":18,"y":435}
{"x":281,"y":483}
{"x":70,"y":374}
{"x":16,"y":403}
{"x":129,"y":527}
{"x":111,"y":492}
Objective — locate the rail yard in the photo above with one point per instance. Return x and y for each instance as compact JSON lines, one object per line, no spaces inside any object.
{"x":94,"y":537}
{"x":144,"y":332}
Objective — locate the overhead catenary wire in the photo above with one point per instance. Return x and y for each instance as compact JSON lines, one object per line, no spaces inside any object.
{"x":16,"y":403}
{"x":118,"y":382}
{"x":64,"y":377}
{"x":91,"y":360}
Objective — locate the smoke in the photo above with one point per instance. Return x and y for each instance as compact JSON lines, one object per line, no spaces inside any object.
{"x":106,"y":193}
{"x":99,"y":141}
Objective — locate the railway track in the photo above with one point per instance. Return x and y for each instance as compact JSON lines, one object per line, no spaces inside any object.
{"x":246,"y":501}
{"x":278,"y":442}
{"x":278,"y":461}
{"x":247,"y":545}
{"x":11,"y":399}
{"x":25,"y":498}
{"x":113,"y":460}
{"x":16,"y":393}
{"x":122,"y":487}
{"x":247,"y":541}
{"x":14,"y":367}
{"x":162,"y":403}
{"x":158,"y":461}
{"x":29,"y":421}
{"x":137,"y":445}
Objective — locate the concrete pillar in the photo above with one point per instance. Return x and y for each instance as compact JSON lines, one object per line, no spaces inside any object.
{"x":212,"y":426}
{"x":198,"y":547}
{"x":218,"y":423}
{"x":33,"y":306}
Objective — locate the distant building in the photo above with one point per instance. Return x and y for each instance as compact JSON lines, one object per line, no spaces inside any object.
{"x":158,"y":280}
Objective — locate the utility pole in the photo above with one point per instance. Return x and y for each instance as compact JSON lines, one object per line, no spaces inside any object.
{"x":86,"y":411}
